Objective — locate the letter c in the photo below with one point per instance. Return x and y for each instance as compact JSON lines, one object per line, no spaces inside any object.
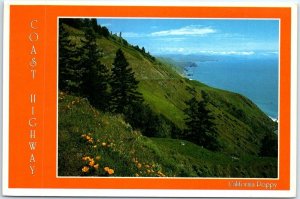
{"x":32,"y":25}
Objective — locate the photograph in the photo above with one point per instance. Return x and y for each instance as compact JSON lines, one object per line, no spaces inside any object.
{"x":149,"y":99}
{"x":168,"y":97}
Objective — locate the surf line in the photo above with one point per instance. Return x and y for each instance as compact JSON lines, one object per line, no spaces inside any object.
{"x":33,"y":120}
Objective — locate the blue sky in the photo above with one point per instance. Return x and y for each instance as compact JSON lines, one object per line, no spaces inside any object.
{"x":199,"y":36}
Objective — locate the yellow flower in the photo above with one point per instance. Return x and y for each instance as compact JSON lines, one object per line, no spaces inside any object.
{"x":83,"y":135}
{"x":137,"y":175}
{"x":95,"y":146}
{"x":103,"y":144}
{"x":91,"y":140}
{"x":98,"y":157}
{"x":110,"y":171}
{"x":88,"y":137}
{"x":85,"y":169}
{"x":148,"y":171}
{"x":106,"y":169}
{"x":96,"y":166}
{"x":92,"y":163}
{"x":160,"y":174}
{"x":85,"y":158}
{"x":139,"y":165}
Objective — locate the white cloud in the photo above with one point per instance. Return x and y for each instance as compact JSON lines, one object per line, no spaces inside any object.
{"x":164,"y":50}
{"x":182,"y":50}
{"x":132,"y":34}
{"x":228,"y":52}
{"x":192,"y":30}
{"x":170,"y":39}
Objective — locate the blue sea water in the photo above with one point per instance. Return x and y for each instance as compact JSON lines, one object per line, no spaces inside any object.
{"x":255,"y":78}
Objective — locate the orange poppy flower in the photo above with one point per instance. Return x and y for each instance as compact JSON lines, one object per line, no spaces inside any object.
{"x":85,"y":169}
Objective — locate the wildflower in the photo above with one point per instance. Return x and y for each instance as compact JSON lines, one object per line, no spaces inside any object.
{"x":85,"y":158}
{"x":147,"y":166}
{"x":91,"y":140}
{"x":88,"y":137}
{"x":106,"y":169}
{"x":83,"y":135}
{"x":96,"y":166}
{"x":92,"y":162}
{"x":139,"y":165}
{"x":137,"y":175}
{"x":161,"y":174}
{"x":98,"y":157}
{"x":110,"y":171}
{"x":85,"y":169}
{"x":148,"y":171}
{"x":95,"y":146}
{"x":103,"y":144}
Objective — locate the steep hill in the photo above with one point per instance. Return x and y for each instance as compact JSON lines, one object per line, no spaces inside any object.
{"x":93,"y":143}
{"x":239,"y":122}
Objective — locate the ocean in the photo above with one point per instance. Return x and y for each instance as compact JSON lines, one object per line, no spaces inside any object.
{"x":255,"y":78}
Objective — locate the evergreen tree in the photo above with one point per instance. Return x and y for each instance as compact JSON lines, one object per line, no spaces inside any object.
{"x":200,"y":128}
{"x":269,"y":145}
{"x":105,"y":32}
{"x":123,"y":84}
{"x":74,"y":22}
{"x":71,"y":70}
{"x":96,"y":78}
{"x":94,"y":25}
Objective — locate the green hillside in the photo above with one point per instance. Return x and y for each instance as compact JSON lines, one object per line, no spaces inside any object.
{"x":94,"y":140}
{"x":240,"y":124}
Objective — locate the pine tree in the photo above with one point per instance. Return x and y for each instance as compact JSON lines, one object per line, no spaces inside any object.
{"x":269,"y":145}
{"x":96,"y":78}
{"x":71,"y":60}
{"x":123,"y":84}
{"x":199,"y":122}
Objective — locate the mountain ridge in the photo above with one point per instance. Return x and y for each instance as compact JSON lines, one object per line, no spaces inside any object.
{"x":241,"y":125}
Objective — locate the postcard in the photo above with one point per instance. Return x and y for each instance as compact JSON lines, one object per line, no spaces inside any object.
{"x":178,"y":99}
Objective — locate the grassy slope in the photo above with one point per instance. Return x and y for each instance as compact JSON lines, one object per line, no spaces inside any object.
{"x":128,"y":153}
{"x":240,"y":123}
{"x":165,"y":91}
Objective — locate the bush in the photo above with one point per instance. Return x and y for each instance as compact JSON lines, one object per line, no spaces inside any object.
{"x":141,"y":117}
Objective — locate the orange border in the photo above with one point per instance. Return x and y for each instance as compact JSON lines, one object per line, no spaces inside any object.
{"x":45,"y":86}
